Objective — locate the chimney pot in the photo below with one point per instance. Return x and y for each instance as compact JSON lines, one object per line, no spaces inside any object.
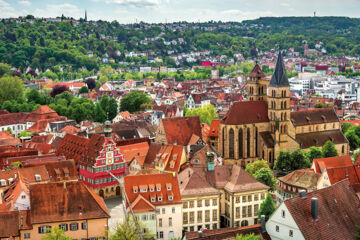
{"x":303,"y":194}
{"x":200,"y":233}
{"x":262,"y":221}
{"x":314,"y":208}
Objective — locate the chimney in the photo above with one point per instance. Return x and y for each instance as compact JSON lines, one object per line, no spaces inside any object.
{"x":64,"y":186}
{"x":262,"y":221}
{"x":200,"y":233}
{"x":21,"y":221}
{"x":303,"y":194}
{"x":314,"y":208}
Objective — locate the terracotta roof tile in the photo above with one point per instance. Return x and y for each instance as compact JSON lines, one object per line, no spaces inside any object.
{"x":320,"y":164}
{"x":214,"y":128}
{"x":134,"y":150}
{"x":302,"y":178}
{"x":180,"y":130}
{"x":157,"y":179}
{"x":64,"y":202}
{"x":338,"y":212}
{"x":247,"y":112}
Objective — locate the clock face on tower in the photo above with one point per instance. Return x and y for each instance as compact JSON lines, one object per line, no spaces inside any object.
{"x":109,"y":158}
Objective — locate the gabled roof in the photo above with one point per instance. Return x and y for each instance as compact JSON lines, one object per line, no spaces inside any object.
{"x":256,"y":72}
{"x":141,"y":205}
{"x":240,"y":181}
{"x":321,"y":164}
{"x":247,"y":112}
{"x":44,"y":109}
{"x":134,"y":150}
{"x":164,"y":154}
{"x":279,"y":77}
{"x":340,"y":173}
{"x":338,"y":212}
{"x":68,"y":201}
{"x":313,"y":116}
{"x":214,"y":128}
{"x":153,"y":181}
{"x":179,"y":130}
{"x":69,"y":129}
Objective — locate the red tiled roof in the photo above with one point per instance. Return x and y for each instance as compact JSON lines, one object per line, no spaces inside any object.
{"x":320,"y":164}
{"x":179,"y":130}
{"x":338,"y":212}
{"x":340,"y":173}
{"x":247,"y":112}
{"x":69,"y":129}
{"x":7,"y":139}
{"x":214,"y":128}
{"x":69,"y":201}
{"x":156,"y":180}
{"x":134,"y":150}
{"x":44,"y":110}
{"x":141,"y":205}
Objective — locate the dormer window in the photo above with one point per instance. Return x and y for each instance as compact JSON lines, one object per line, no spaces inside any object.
{"x":143,"y":188}
{"x":170,"y":198}
{"x":135,"y":189}
{"x":3,"y":182}
{"x":37,"y":177}
{"x":158,"y":187}
{"x":160,"y":199}
{"x":168,"y":186}
{"x":153,"y":199}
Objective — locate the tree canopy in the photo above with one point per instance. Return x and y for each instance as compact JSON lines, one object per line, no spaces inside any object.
{"x":265,"y":176}
{"x":133,"y":101}
{"x":206,"y":113}
{"x":329,"y":149}
{"x":11,"y":88}
{"x":291,"y":161}
{"x":267,"y":207}
{"x":131,"y":230}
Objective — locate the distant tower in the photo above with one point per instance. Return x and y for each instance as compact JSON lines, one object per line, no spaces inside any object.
{"x":85,"y":16}
{"x":107,"y":129}
{"x":256,"y":84}
{"x":314,"y":14}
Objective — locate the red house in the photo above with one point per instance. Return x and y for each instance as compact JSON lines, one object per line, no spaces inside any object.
{"x":95,"y":158}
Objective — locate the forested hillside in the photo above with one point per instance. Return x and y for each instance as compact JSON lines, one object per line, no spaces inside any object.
{"x":47,"y":45}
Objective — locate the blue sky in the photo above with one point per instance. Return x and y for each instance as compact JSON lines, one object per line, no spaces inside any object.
{"x":129,"y":11}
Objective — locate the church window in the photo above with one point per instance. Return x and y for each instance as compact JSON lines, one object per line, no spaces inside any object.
{"x":231,"y":143}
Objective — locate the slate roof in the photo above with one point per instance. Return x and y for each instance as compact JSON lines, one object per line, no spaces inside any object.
{"x":247,"y":112}
{"x":338,"y":212}
{"x":279,"y":77}
{"x":179,"y":130}
{"x":318,"y":139}
{"x":70,"y":201}
{"x":313,"y":116}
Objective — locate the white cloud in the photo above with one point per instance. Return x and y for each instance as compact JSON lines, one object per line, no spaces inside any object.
{"x":6,"y":10}
{"x":24,"y":2}
{"x":56,"y":10}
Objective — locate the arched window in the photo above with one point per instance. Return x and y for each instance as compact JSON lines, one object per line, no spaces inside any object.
{"x":248,"y":142}
{"x":282,"y":105}
{"x":270,"y":159}
{"x":223,"y":140}
{"x":241,"y":155}
{"x":285,"y":118}
{"x":285,"y":105}
{"x":244,"y":223}
{"x":231,"y":143}
{"x":256,"y":142}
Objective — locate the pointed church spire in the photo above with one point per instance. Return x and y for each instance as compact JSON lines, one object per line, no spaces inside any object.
{"x":279,"y":78}
{"x":85,"y":16}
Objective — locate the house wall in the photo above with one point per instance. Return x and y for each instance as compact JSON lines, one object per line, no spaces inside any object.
{"x":234,"y":201}
{"x":22,"y":202}
{"x":95,"y":228}
{"x":164,"y":215}
{"x":285,"y":224}
{"x":323,"y":181}
{"x":148,"y":220}
{"x":195,"y":223}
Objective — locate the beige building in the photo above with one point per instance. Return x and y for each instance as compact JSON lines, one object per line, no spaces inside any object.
{"x":201,"y":201}
{"x":259,"y":129}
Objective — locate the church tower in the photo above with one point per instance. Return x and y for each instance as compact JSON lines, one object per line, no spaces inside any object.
{"x":256,"y":84}
{"x":279,"y":104}
{"x":85,"y":16}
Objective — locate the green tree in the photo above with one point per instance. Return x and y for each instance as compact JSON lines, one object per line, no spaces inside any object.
{"x":313,"y":153}
{"x":265,"y":176}
{"x":329,"y":149}
{"x":83,"y":89}
{"x":4,"y":69}
{"x":354,"y":140}
{"x":99,"y":114}
{"x":283,"y":161}
{"x":250,"y":236}
{"x":267,"y":207}
{"x":109,"y":105}
{"x":133,"y":101}
{"x":299,"y":160}
{"x":11,"y":88}
{"x":357,"y":234}
{"x":206,"y":113}
{"x":345,"y":126}
{"x":25,"y":134}
{"x":253,"y":167}
{"x":131,"y":230}
{"x":34,"y":96}
{"x":56,"y":234}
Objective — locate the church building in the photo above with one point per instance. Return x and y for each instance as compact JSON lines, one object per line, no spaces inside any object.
{"x":262,"y":126}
